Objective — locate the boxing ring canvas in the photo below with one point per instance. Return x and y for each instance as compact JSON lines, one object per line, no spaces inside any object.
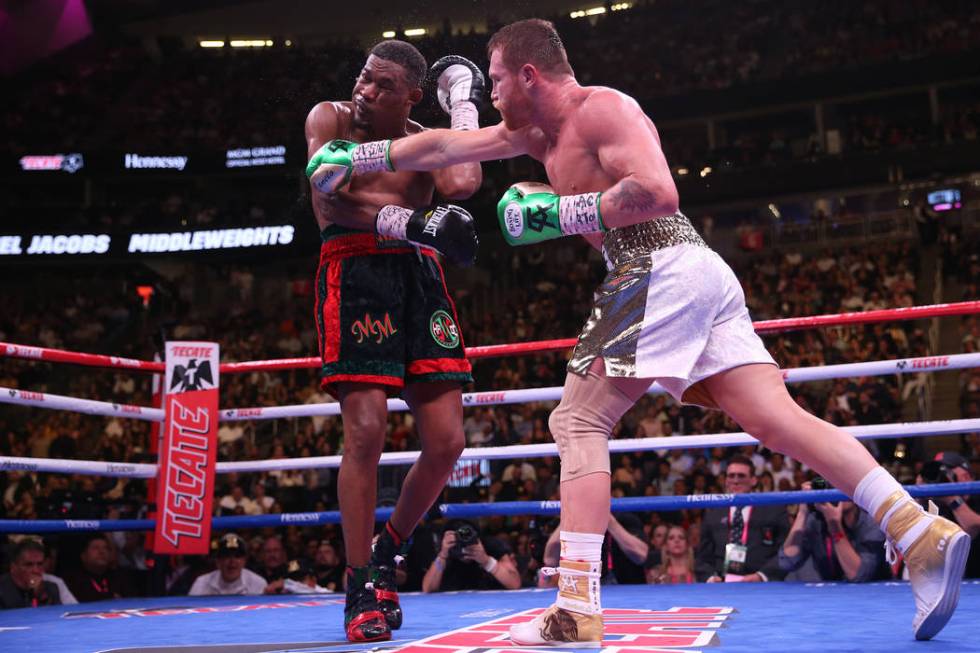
{"x":873,"y":617}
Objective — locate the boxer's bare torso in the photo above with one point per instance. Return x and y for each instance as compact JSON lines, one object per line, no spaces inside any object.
{"x":356,"y":204}
{"x":571,"y":158}
{"x":590,"y":139}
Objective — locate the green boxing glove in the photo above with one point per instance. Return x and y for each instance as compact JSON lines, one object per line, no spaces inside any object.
{"x":332,"y":166}
{"x":530,"y":212}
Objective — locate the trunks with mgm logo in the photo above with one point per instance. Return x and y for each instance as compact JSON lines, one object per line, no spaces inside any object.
{"x":383,"y":313}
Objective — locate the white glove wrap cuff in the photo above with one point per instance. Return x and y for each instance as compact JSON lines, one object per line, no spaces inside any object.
{"x":392,"y":221}
{"x":490,"y":565}
{"x":371,"y":157}
{"x":464,"y":116}
{"x":579,"y":214}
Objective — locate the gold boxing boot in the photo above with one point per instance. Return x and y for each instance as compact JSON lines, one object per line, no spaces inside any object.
{"x":935,"y":551}
{"x":575,"y":619}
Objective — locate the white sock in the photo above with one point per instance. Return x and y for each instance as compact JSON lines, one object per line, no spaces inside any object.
{"x":580,"y":572}
{"x":872,"y":491}
{"x":585,"y":547}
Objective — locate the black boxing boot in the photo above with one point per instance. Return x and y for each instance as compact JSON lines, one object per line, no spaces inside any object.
{"x":386,"y":548}
{"x":363,"y":621}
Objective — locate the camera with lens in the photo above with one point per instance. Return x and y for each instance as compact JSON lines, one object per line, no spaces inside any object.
{"x":820,"y":483}
{"x":936,"y":471}
{"x":465,"y":536}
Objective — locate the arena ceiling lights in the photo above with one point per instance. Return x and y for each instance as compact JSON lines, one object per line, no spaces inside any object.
{"x":595,"y":11}
{"x":415,"y":31}
{"x":238,"y":43}
{"x":252,"y":43}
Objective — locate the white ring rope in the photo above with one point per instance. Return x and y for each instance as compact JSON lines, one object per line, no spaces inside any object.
{"x":869,"y":432}
{"x":88,"y":467}
{"x":87,"y":406}
{"x":493,"y":398}
{"x":793,"y":375}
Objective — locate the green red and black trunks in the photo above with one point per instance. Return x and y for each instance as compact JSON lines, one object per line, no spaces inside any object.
{"x":383,"y":313}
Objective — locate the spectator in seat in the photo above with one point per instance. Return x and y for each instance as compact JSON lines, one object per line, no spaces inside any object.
{"x":272,"y":560}
{"x":677,"y":560}
{"x":741,"y":544}
{"x":231,"y":577}
{"x":95,"y":580}
{"x":24,"y":586}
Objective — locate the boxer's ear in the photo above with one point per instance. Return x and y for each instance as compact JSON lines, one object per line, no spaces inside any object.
{"x":528,"y":74}
{"x":415,"y":96}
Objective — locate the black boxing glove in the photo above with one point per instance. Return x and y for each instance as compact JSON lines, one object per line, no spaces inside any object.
{"x":459,"y":88}
{"x":446,"y":228}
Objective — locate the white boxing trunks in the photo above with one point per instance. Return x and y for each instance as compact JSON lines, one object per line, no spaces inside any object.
{"x":669,"y":309}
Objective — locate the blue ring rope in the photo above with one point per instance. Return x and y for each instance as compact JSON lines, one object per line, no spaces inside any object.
{"x":464,"y":510}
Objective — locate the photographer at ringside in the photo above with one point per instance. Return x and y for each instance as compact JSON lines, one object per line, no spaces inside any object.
{"x":468,"y":562}
{"x":951,"y":467}
{"x":842,"y":540}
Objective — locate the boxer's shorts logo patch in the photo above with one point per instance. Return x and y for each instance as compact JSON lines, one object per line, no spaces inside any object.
{"x":372,"y":329}
{"x":443,"y":330}
{"x":514,"y":219}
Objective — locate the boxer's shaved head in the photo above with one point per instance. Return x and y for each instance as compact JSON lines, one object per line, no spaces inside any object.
{"x":405,"y":55}
{"x":532,"y":41}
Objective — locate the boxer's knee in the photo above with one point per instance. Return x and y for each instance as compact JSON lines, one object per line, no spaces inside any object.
{"x":364,"y":437}
{"x":558,"y":426}
{"x":581,"y":431}
{"x":580,"y":426}
{"x":445,"y":449}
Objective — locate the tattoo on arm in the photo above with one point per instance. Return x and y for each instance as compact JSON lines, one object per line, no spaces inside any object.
{"x":634,"y":198}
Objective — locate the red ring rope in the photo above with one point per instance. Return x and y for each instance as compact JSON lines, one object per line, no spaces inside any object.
{"x":488,"y":351}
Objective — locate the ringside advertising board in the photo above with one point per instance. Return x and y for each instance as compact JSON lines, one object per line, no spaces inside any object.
{"x":188,"y":448}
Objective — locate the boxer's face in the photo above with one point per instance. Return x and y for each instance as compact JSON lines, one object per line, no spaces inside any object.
{"x":382,"y":93}
{"x":508,"y":95}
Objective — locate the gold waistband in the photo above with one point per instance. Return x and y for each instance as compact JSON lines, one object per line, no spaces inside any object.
{"x":625,"y":244}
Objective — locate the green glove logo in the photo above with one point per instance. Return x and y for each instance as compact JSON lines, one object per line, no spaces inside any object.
{"x":538,"y":218}
{"x":514,"y":219}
